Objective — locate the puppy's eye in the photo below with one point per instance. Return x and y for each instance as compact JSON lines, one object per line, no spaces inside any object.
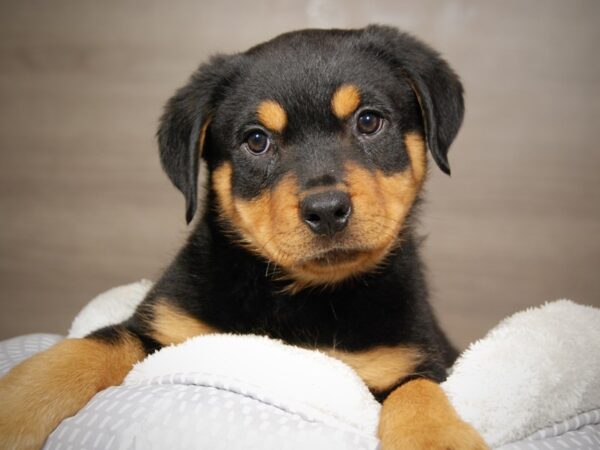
{"x":257,"y":142}
{"x":368,"y":122}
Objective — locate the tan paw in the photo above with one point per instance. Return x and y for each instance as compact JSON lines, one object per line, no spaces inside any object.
{"x":36,"y":395}
{"x":418,"y":416}
{"x":14,"y":437}
{"x":22,"y":419}
{"x":456,"y":435}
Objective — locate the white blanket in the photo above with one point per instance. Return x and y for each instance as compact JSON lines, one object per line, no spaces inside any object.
{"x":535,"y":368}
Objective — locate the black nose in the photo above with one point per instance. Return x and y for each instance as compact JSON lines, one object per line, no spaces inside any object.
{"x":326,"y":213}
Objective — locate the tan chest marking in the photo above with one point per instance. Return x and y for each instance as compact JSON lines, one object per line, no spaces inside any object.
{"x":380,"y":367}
{"x":171,"y":325}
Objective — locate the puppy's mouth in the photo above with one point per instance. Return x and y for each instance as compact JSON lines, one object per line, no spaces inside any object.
{"x":335,"y":256}
{"x":328,"y":261}
{"x":335,"y":263}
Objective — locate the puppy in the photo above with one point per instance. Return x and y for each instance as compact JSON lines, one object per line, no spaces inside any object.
{"x":316,"y":148}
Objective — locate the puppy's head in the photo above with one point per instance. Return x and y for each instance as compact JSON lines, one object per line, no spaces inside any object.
{"x":316,"y":144}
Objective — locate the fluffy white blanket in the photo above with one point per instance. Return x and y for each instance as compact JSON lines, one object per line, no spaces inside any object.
{"x":535,"y":368}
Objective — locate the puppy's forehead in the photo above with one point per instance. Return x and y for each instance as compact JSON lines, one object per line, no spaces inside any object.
{"x":282,"y":84}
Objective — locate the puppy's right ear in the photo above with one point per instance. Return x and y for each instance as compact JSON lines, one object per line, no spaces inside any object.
{"x":184,"y":124}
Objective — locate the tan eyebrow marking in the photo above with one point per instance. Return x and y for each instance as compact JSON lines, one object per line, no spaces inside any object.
{"x":272,"y":115}
{"x":345,"y":100}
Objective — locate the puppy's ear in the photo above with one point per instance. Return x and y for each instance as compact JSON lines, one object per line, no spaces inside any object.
{"x":438,"y":89}
{"x":184,"y":125}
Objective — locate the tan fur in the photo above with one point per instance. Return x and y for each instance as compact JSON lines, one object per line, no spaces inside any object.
{"x":267,"y":217}
{"x":270,"y":224}
{"x":310,"y":274}
{"x":380,"y":367}
{"x":417,"y":152}
{"x":272,"y":115}
{"x":418,"y":415}
{"x":345,"y":101}
{"x":221,"y":183}
{"x":203,"y":135}
{"x":380,"y":204}
{"x":170,"y":325}
{"x":36,"y":395}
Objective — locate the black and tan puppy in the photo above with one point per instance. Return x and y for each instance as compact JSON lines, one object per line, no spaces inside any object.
{"x":315,"y":144}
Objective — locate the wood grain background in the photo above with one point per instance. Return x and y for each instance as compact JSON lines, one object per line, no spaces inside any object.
{"x":84,"y":205}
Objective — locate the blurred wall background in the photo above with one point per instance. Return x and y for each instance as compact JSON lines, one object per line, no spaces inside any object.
{"x":84,"y":205}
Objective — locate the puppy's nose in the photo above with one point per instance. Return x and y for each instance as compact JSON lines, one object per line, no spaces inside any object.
{"x":326,"y":213}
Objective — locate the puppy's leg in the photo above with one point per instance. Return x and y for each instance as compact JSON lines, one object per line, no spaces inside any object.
{"x":39,"y":393}
{"x":418,"y":415}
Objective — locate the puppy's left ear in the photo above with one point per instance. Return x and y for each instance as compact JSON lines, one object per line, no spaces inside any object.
{"x":184,"y":125}
{"x":438,"y":89}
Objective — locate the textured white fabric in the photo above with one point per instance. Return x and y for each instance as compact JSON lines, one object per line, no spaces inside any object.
{"x":179,"y":415}
{"x":181,"y":412}
{"x":539,"y":366}
{"x":535,"y":368}
{"x":304,"y":382}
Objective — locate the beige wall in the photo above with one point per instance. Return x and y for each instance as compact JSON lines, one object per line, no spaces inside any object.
{"x":84,"y":205}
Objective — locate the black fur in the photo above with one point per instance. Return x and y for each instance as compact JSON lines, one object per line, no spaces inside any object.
{"x":231,"y":288}
{"x":181,"y":122}
{"x":438,"y":89}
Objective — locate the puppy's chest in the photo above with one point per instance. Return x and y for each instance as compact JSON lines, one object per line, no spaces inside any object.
{"x":370,"y":335}
{"x":369,"y":341}
{"x":314,"y":320}
{"x":378,"y":357}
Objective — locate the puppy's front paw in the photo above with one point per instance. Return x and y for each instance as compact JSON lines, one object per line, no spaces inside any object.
{"x":19,"y":412}
{"x":454,"y":435}
{"x":36,"y":395}
{"x":418,"y":416}
{"x":24,"y":422}
{"x":19,"y":441}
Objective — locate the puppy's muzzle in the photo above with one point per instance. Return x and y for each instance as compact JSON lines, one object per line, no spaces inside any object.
{"x":326,"y":213}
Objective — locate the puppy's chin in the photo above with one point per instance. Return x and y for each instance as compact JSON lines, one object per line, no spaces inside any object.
{"x":330,"y":267}
{"x":305,"y":260}
{"x":335,"y":257}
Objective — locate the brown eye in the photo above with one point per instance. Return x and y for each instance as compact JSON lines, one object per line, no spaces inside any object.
{"x":257,"y":142}
{"x":368,"y":122}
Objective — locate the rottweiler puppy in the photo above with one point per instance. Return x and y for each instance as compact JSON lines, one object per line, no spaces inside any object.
{"x":316,"y":148}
